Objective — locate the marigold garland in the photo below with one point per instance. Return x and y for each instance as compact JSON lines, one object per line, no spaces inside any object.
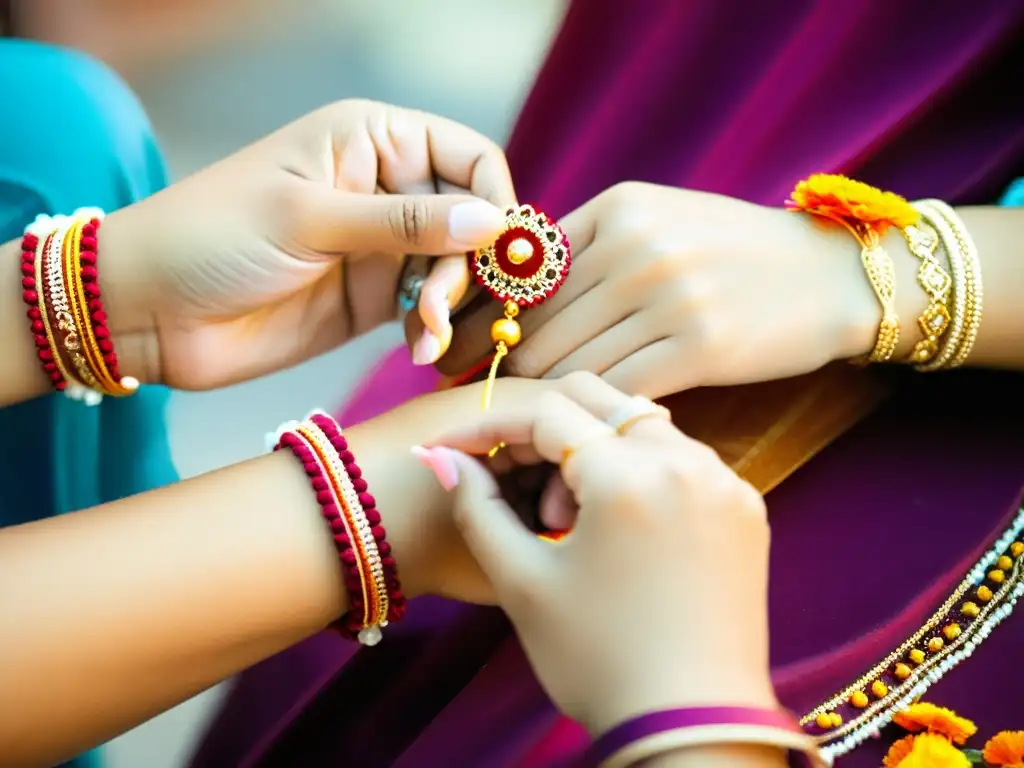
{"x":930,"y":750}
{"x":936,"y":720}
{"x":934,"y":730}
{"x":853,"y":204}
{"x":898,"y":752}
{"x":1005,"y":750}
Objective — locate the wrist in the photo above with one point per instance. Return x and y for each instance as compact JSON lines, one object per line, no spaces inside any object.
{"x":854,"y":308}
{"x":128,"y":293}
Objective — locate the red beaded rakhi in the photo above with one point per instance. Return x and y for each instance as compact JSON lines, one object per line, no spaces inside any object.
{"x":368,"y":566}
{"x":65,"y":307}
{"x":524,"y":267}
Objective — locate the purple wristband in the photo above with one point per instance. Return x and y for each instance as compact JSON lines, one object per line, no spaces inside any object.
{"x":654,"y":723}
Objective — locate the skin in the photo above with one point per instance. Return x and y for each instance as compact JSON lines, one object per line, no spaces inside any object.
{"x":717,"y":291}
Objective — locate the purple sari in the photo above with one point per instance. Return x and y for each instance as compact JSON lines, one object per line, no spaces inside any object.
{"x":872,"y":534}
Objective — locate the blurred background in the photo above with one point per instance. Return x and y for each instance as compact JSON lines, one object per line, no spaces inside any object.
{"x":216,"y":74}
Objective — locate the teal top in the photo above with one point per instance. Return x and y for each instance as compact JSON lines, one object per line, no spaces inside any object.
{"x":71,"y":135}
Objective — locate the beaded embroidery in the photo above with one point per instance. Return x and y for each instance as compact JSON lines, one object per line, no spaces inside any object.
{"x":981,"y":602}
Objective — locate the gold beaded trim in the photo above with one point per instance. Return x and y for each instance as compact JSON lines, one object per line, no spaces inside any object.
{"x":915,"y":660}
{"x":923,"y":241}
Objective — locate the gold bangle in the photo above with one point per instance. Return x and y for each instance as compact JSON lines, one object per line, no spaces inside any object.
{"x":962,"y":288}
{"x":972,"y":267}
{"x":881,"y":273}
{"x":923,"y":241}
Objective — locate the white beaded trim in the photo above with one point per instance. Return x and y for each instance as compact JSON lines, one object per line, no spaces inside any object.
{"x":998,"y":609}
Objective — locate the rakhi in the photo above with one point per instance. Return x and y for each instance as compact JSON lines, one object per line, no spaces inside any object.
{"x":523,"y":268}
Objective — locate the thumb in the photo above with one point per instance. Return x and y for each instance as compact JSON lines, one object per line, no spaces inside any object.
{"x":497,"y":539}
{"x":432,"y":225}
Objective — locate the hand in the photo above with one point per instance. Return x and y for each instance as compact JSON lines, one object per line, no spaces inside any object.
{"x":672,"y":289}
{"x":658,"y":598}
{"x":294,"y":245}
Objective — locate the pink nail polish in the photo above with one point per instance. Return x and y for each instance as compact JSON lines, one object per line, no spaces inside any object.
{"x":439,"y":461}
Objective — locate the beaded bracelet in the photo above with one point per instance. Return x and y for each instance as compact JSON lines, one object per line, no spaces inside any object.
{"x":656,"y":733}
{"x":367,"y":562}
{"x":69,"y":326}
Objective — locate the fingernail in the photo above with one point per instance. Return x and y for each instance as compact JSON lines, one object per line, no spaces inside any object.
{"x":473,"y":224}
{"x":435,"y":304}
{"x":427,"y":349}
{"x":439,"y":461}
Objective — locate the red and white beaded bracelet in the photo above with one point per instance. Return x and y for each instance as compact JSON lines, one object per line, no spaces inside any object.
{"x":367,"y":562}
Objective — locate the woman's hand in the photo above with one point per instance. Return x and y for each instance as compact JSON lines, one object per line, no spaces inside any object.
{"x":658,"y":598}
{"x":672,"y":289}
{"x":295,"y":244}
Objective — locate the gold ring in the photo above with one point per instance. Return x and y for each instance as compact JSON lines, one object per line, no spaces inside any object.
{"x":635,"y":410}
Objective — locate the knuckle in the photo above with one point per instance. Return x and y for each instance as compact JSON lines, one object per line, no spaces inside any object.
{"x":624,"y":193}
{"x":550,"y":402}
{"x":576,"y":383}
{"x":409,"y":220}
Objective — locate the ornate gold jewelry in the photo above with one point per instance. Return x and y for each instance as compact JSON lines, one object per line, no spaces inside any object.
{"x":961,"y":242}
{"x":881,"y":272}
{"x":923,"y":242}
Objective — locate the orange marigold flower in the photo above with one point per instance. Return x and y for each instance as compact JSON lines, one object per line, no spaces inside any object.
{"x":933,"y":751}
{"x":928,"y":717}
{"x":898,"y":751}
{"x":848,"y":201}
{"x":1005,"y":750}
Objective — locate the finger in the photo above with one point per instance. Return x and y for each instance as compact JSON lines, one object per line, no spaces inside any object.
{"x":443,"y":290}
{"x":636,"y":373}
{"x":334,"y":221}
{"x":472,"y":339}
{"x":609,"y":347}
{"x":558,"y":508}
{"x":467,"y":159}
{"x":553,"y":425}
{"x":574,"y":339}
{"x":502,"y":546}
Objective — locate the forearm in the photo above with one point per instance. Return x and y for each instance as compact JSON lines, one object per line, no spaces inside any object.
{"x":999,"y":235}
{"x":114,"y":614}
{"x":174,"y":590}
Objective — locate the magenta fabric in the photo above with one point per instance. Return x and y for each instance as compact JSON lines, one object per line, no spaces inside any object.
{"x":917,"y":96}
